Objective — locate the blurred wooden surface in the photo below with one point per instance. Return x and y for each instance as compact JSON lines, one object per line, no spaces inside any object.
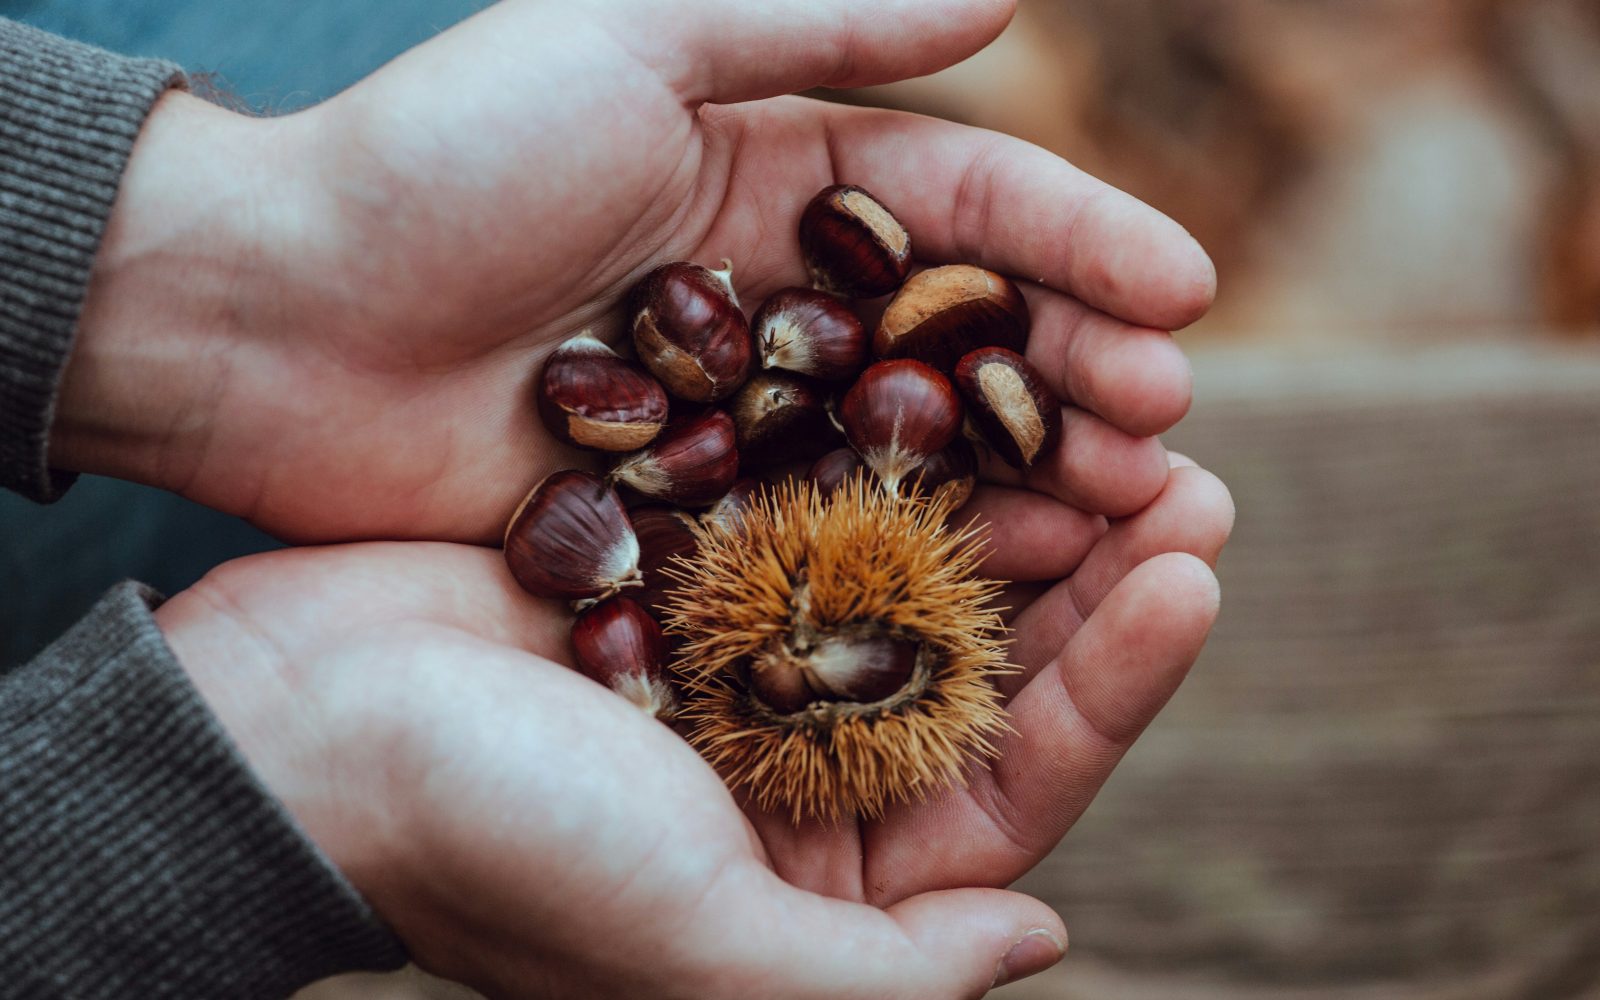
{"x":1383,"y":779}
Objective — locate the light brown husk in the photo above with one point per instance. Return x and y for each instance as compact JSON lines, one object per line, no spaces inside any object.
{"x":863,"y":555}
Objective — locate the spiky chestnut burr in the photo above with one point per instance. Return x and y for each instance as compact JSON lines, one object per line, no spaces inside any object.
{"x":829,"y":599}
{"x":689,"y":331}
{"x":570,"y":538}
{"x":617,"y":643}
{"x":943,"y":313}
{"x":589,"y":397}
{"x":852,"y":244}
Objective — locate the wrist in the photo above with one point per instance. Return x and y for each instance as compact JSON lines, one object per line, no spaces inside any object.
{"x":183,"y":268}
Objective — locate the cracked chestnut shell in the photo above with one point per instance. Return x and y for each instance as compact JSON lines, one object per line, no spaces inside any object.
{"x":689,"y":331}
{"x":1018,"y":415}
{"x":571,"y":539}
{"x":852,"y":244}
{"x":810,"y":333}
{"x":945,"y":312}
{"x":589,"y":397}
{"x":854,"y":666}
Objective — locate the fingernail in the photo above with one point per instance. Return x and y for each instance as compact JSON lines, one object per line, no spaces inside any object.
{"x":1037,"y":951}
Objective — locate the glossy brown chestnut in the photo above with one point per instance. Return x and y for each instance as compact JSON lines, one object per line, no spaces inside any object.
{"x":860,"y":667}
{"x":852,"y":244}
{"x":1006,"y":397}
{"x":688,"y":330}
{"x":571,"y":539}
{"x":832,"y":470}
{"x":620,"y":645}
{"x":943,"y":313}
{"x":810,"y":333}
{"x":691,"y":463}
{"x":898,"y":414}
{"x":589,"y":397}
{"x":951,"y":470}
{"x":665,"y":533}
{"x":778,"y":417}
{"x":728,"y":511}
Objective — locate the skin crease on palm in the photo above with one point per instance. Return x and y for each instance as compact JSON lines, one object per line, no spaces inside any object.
{"x":329,"y":323}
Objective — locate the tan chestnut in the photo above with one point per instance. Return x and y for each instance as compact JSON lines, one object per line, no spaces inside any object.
{"x":777,"y":417}
{"x":619,"y":644}
{"x":571,"y":539}
{"x":810,"y":333}
{"x":689,"y":331}
{"x":691,"y":463}
{"x":1009,"y":402}
{"x":589,"y":397}
{"x":852,"y":244}
{"x":897,"y":415}
{"x":862,"y":666}
{"x":945,"y":312}
{"x":666,"y":535}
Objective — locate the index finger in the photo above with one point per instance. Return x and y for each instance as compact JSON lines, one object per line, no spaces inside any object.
{"x":977,"y":197}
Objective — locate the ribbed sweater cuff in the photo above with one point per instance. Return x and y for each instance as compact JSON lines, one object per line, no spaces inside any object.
{"x":69,"y":114}
{"x":139,"y":854}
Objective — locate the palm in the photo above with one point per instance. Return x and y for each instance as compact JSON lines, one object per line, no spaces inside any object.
{"x":472,"y":230}
{"x":550,"y":799}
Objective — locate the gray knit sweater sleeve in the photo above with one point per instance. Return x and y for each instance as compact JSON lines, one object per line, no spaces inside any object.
{"x":68,"y":117}
{"x":139,"y":854}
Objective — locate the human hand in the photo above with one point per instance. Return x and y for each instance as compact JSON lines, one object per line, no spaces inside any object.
{"x":329,"y":322}
{"x":529,"y":833}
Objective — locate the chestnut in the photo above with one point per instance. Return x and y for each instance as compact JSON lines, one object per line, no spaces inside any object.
{"x":728,"y":511}
{"x":570,"y":538}
{"x":589,"y":397}
{"x":619,"y":644}
{"x":810,"y":333}
{"x":945,"y":312}
{"x":691,"y":463}
{"x":778,"y":417}
{"x":951,"y":470}
{"x":665,"y":533}
{"x":1007,"y":399}
{"x":852,"y":667}
{"x":688,"y":330}
{"x":834,"y":469}
{"x":897,"y":415}
{"x":852,"y":244}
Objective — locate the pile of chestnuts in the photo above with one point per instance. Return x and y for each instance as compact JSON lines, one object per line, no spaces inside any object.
{"x":715,"y":407}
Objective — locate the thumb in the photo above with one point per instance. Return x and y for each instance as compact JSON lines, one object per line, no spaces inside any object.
{"x":982,"y":937}
{"x":953,"y":944}
{"x":727,"y":51}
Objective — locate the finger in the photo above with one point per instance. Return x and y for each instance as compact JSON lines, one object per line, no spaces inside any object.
{"x":782,"y":942}
{"x":1135,"y":377}
{"x":1029,"y":536}
{"x":1178,"y":460}
{"x":1096,"y":467}
{"x":728,"y":51}
{"x":984,"y":198}
{"x":1071,"y":725}
{"x":1193,"y":514}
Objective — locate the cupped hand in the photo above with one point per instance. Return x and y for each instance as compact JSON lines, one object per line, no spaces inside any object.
{"x":330,"y":322}
{"x":529,"y":833}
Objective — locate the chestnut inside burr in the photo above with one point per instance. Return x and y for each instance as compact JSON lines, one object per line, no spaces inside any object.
{"x":861,"y":667}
